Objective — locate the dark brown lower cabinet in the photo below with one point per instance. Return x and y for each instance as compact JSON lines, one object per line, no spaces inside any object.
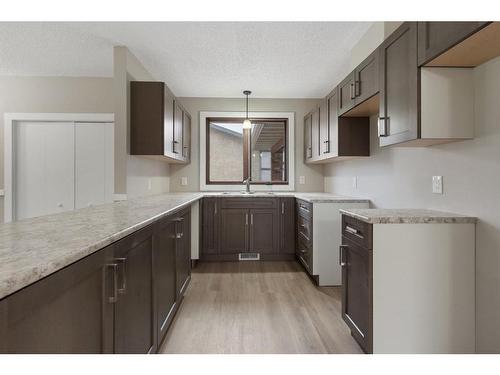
{"x":165,"y":276}
{"x":234,"y":230}
{"x":356,"y":260}
{"x":210,"y":225}
{"x":121,"y":299}
{"x":183,"y":252}
{"x":70,"y":311}
{"x":287,"y":225}
{"x":134,"y":307}
{"x":264,"y":231}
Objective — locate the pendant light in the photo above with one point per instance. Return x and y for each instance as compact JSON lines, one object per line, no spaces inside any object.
{"x":247,"y":124}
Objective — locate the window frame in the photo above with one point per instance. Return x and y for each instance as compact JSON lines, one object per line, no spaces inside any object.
{"x":204,"y":147}
{"x":247,"y":164}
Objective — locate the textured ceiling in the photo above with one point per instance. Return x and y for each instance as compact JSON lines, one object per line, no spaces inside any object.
{"x":204,"y":59}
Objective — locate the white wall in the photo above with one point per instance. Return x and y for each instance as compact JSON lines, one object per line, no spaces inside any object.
{"x":313,"y":174}
{"x":401,"y":177}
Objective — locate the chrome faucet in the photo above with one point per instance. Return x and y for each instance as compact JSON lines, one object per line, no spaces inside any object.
{"x":247,"y":183}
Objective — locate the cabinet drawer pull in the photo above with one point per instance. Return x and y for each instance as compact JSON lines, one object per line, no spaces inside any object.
{"x":114,"y":295}
{"x":357,"y":89}
{"x":304,"y":207}
{"x":123,"y":275}
{"x":251,"y":219}
{"x":246,"y":219}
{"x":351,"y":90}
{"x":282,"y":208}
{"x":354,"y":231}
{"x":341,"y":255}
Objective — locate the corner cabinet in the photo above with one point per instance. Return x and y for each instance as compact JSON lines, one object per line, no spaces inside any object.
{"x":159,"y":125}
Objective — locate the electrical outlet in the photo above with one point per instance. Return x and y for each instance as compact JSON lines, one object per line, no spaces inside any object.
{"x":355,"y":182}
{"x":302,"y":180}
{"x":437,"y":184}
{"x":184,"y":181}
{"x":150,"y":184}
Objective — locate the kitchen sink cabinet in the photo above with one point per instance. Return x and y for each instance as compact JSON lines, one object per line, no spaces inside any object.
{"x":134,"y":309}
{"x":233,"y":225}
{"x":70,"y":311}
{"x":159,"y":125}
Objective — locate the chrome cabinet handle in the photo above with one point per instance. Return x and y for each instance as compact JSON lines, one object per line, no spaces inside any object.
{"x":341,"y":256}
{"x":173,"y":147}
{"x":251,"y":219}
{"x":357,"y":88}
{"x":382,"y":126}
{"x":282,"y":208}
{"x":114,"y":296}
{"x":246,"y":219}
{"x":215,"y":208}
{"x":123,"y":275}
{"x":304,"y":207}
{"x":351,"y":91}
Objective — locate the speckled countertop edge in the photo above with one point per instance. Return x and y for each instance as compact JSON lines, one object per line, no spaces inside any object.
{"x":407,"y":216}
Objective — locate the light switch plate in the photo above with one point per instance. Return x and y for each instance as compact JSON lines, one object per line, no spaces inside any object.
{"x":437,"y":184}
{"x":302,"y":180}
{"x":184,"y":181}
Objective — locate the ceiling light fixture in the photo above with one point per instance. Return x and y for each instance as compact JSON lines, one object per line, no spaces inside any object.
{"x":247,"y":124}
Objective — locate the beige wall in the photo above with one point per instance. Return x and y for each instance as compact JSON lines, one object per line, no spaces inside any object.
{"x":52,"y":94}
{"x":401,"y":177}
{"x":134,"y":176}
{"x":313,"y":174}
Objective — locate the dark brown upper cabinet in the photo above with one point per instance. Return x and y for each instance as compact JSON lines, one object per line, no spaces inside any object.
{"x":458,"y":44}
{"x":399,"y":78}
{"x":356,"y":91}
{"x":315,"y":123}
{"x":312,"y":147}
{"x":158,"y":123}
{"x":340,"y":137}
{"x":347,"y":97}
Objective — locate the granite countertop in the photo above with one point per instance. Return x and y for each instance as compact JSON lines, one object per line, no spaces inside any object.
{"x":309,"y":197}
{"x":34,"y":248}
{"x":406,"y":216}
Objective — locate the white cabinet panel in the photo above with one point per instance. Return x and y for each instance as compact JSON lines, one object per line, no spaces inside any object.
{"x":93,"y":164}
{"x":44,"y":164}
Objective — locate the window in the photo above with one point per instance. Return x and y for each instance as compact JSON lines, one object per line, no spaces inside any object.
{"x":233,"y":154}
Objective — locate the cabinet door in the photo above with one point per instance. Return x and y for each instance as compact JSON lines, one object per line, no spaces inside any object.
{"x":168,"y":123}
{"x":324,"y":133}
{"x":178,"y":120}
{"x":308,"y":137}
{"x":333,"y":124}
{"x":366,"y":84}
{"x":346,"y":94}
{"x":315,"y":134}
{"x":186,"y":137}
{"x":183,"y":252}
{"x":287,"y":225}
{"x":69,"y":311}
{"x":134,"y":306}
{"x":398,"y":120}
{"x":234,"y":236}
{"x":357,"y":291}
{"x":165,"y":278}
{"x":434,"y":38}
{"x":210,"y":226}
{"x":264,"y":231}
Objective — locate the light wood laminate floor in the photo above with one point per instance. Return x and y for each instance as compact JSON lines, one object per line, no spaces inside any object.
{"x":258,"y":307}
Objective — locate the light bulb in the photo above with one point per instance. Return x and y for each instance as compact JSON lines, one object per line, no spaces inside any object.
{"x":247,"y":124}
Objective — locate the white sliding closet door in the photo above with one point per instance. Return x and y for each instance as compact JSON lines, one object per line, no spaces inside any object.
{"x":94,"y":155}
{"x":44,"y":168}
